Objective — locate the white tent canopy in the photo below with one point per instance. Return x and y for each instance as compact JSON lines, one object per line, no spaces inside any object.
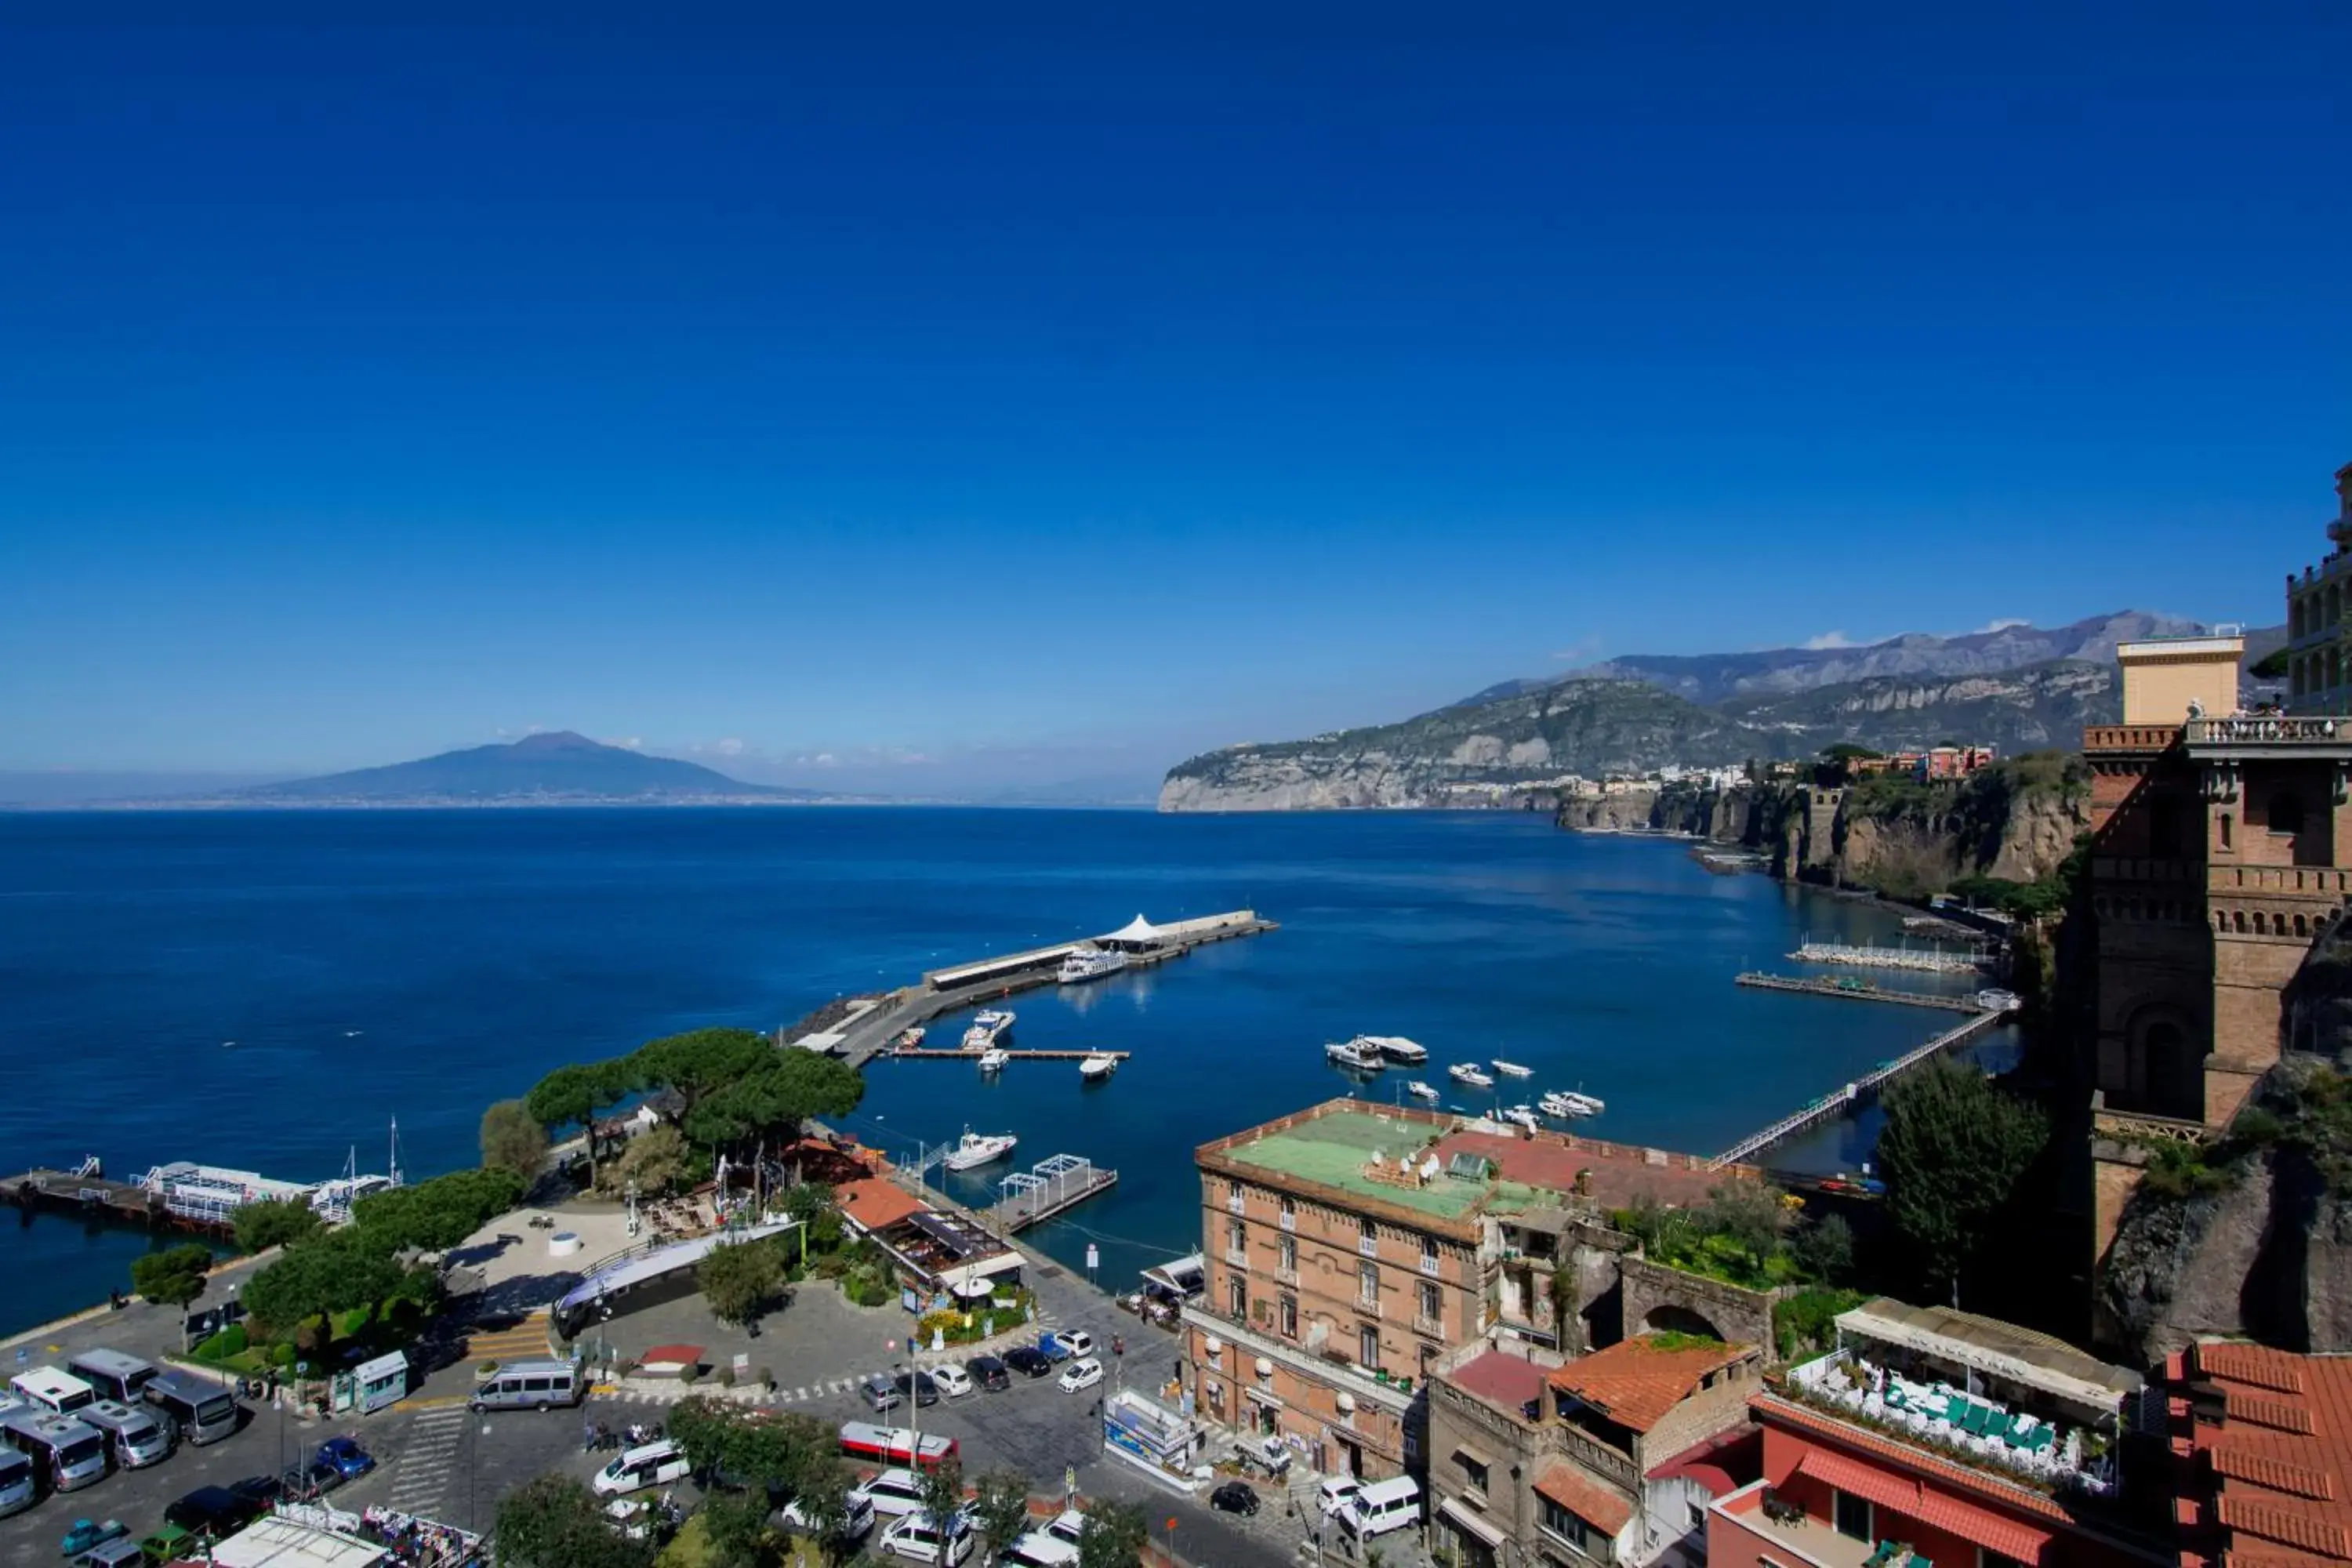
{"x":1137,"y":930}
{"x":282,"y":1543}
{"x":1997,"y":1349}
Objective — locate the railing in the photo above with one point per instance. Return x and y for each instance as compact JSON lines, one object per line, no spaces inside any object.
{"x":1368,"y":1303}
{"x":1287,"y":1220}
{"x":1233,"y":1203}
{"x":2130,"y":737}
{"x":1429,"y":1264}
{"x":1330,"y":1366}
{"x":1424,"y":1324}
{"x":1237,"y":1256}
{"x":1368,"y":1246}
{"x":2269,"y":728}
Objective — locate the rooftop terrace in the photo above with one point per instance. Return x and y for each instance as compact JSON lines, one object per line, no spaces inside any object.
{"x":1333,"y":1149}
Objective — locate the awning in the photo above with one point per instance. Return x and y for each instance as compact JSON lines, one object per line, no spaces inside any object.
{"x":1260,"y":1397}
{"x":1981,"y":1526}
{"x":1137,"y":930}
{"x":1466,"y":1520}
{"x":1999,"y":1350}
{"x":1466,"y":1452}
{"x":1858,"y":1479}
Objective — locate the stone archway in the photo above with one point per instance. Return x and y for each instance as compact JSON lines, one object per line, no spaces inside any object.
{"x":1669,"y":1317}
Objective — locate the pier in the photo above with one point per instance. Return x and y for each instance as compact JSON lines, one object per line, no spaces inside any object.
{"x":1933,"y":961}
{"x":85,"y":1191}
{"x":1835,"y":1103}
{"x":1857,"y":991}
{"x":1050,"y":1187}
{"x":961,"y":1054}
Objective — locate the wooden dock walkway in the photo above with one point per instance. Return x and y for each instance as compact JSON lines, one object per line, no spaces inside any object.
{"x":1017,"y":1211}
{"x":1834,"y":1104}
{"x":100,"y":1197}
{"x":1856,"y":990}
{"x":960,"y":1054}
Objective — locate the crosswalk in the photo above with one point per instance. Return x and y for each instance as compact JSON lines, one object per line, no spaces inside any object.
{"x":424,"y":1470}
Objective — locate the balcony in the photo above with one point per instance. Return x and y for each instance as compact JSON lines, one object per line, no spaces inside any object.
{"x":1424,"y":1323}
{"x":1287,"y":1220}
{"x":1368,"y":1246}
{"x":1393,"y":1394}
{"x":2269,"y":734}
{"x":1431,"y":1263}
{"x":2130,"y":737}
{"x":1287,"y":1276}
{"x":1238,"y":1257}
{"x":1234,"y":1203}
{"x":1367,"y":1303}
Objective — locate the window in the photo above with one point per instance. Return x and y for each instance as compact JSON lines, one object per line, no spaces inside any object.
{"x":1852,"y":1517}
{"x":1290,"y":1212}
{"x":1368,"y":1284}
{"x":1289,"y":1317}
{"x":1433,"y":1303}
{"x":1287,"y":1251}
{"x":1367,"y":1346}
{"x":1567,"y":1526}
{"x":1233,"y":1196}
{"x":1473,"y":1472}
{"x":1241,"y":1299}
{"x":1236,"y":1235}
{"x":1429,"y":1254}
{"x":2225,"y":830}
{"x":1367,"y":1239}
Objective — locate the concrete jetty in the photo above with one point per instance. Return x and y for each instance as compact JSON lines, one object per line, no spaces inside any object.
{"x":1856,"y":990}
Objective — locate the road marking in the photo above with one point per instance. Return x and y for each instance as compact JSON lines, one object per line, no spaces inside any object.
{"x":436,"y":1404}
{"x":800,"y":1394}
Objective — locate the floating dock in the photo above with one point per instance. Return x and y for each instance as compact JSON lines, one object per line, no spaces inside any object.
{"x":1050,"y":1187}
{"x":1857,"y":991}
{"x":1834,"y":1104}
{"x":959,"y":1054}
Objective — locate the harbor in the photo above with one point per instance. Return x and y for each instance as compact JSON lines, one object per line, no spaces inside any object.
{"x":1931,"y":961}
{"x":1842,"y":1100}
{"x":1865,"y":990}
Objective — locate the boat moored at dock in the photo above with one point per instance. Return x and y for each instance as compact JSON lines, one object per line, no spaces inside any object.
{"x":1565,"y":1105}
{"x":994,"y":1060}
{"x":976,"y":1148}
{"x":1512,"y":1069}
{"x":1522,"y":1116}
{"x":1357,"y":1055}
{"x":1098,"y":1067}
{"x":1087,"y":962}
{"x":987,"y":1026}
{"x":1396,"y":1048}
{"x":1421,"y":1090}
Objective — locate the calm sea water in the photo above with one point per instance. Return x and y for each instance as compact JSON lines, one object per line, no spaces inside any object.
{"x":420,"y":964}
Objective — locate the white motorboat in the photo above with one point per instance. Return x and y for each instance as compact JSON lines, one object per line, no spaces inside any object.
{"x":1463,"y":1072}
{"x":1090,"y":963}
{"x":978,"y":1149}
{"x":1585,"y":1104}
{"x":1098,"y":1067}
{"x":1356,"y":1053}
{"x":986,"y":1026}
{"x":1421,"y":1090}
{"x":1522,"y":1116}
{"x":912,"y":1038}
{"x":994,"y":1060}
{"x":1564,"y":1106}
{"x":1395,"y":1047}
{"x":1513,"y":1070}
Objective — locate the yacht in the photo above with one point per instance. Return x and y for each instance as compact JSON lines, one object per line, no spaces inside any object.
{"x":1513,"y":1070}
{"x":985,"y":1027}
{"x":994,"y":1060}
{"x":1396,"y":1047}
{"x":1585,"y":1104}
{"x":1356,"y":1054}
{"x":1560,"y":1104}
{"x":1463,"y":1072}
{"x":978,"y":1149}
{"x":1522,"y":1116}
{"x":1421,"y":1090}
{"x":1098,"y":1067}
{"x":1090,"y":964}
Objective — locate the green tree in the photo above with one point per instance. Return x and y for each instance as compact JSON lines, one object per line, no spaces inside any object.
{"x":274,"y":1222}
{"x":1825,"y":1249}
{"x":175,"y":1277}
{"x":773,"y":1099}
{"x":704,"y":1428}
{"x":1563,"y":1297}
{"x":821,"y":1487}
{"x":1000,"y":1510}
{"x":575,"y":1096}
{"x":435,"y":1216}
{"x":512,"y":1139}
{"x":943,"y":1492}
{"x":735,"y":1529}
{"x":656,"y":1160}
{"x":697,"y":1064}
{"x":1750,"y":1215}
{"x":737,"y":1280}
{"x":1114,"y":1535}
{"x":553,"y":1521}
{"x":333,"y":1273}
{"x":1952,"y":1153}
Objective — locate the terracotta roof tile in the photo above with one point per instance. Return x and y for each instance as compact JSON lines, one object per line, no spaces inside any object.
{"x":2285,"y":1526}
{"x":2280,"y":1457}
{"x":1635,"y":1382}
{"x":1584,"y":1497}
{"x":877,"y":1204}
{"x":2239,"y":1464}
{"x":2275,"y":1413}
{"x":2250,"y":1364}
{"x":1508,"y":1380}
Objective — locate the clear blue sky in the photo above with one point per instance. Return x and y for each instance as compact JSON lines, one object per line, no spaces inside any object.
{"x":1118,"y":389}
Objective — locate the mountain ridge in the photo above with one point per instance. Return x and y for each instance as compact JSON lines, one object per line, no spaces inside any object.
{"x":549,"y":767}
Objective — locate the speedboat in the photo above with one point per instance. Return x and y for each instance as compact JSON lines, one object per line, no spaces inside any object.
{"x":1090,"y":963}
{"x":1560,"y":1104}
{"x":1421,"y":1090}
{"x":1522,"y":1116}
{"x":1098,"y":1067}
{"x":1463,"y":1072}
{"x":1513,"y":1070}
{"x":994,"y":1060}
{"x":1395,"y":1047}
{"x":1585,"y":1104}
{"x":978,"y":1149}
{"x":1356,"y":1053}
{"x":912,"y":1038}
{"x":986,"y":1026}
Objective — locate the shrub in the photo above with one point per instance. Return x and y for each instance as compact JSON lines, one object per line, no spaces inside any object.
{"x":229,"y":1342}
{"x":1803,"y":1320}
{"x":765,"y":1379}
{"x":486,"y":1368}
{"x":727,"y":1376}
{"x":690,"y":1375}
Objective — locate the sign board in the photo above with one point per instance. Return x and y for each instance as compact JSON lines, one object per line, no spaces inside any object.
{"x":743,"y":1363}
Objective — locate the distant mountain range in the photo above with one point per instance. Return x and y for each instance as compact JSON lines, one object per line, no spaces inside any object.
{"x":2019,"y":688}
{"x":560,"y":768}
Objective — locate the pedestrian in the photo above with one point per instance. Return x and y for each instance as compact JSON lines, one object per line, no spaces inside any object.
{"x":588,"y":1437}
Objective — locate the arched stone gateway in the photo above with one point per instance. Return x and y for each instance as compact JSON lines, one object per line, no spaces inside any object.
{"x":1666,"y":1318}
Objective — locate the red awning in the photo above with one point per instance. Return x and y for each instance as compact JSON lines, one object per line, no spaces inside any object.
{"x":1858,"y":1479}
{"x":1981,"y":1526}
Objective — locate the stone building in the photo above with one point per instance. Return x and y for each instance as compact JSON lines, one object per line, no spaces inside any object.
{"x":2319,"y":667}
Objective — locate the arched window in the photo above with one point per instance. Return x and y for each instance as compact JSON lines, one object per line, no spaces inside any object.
{"x":2286,"y":812}
{"x":2295,"y":619}
{"x":2237,"y":921}
{"x":2300,"y":929}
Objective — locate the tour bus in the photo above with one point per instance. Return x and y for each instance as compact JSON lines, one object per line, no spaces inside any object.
{"x":895,"y":1446}
{"x":134,"y":1436}
{"x":115,"y":1375}
{"x":532,"y":1385}
{"x":17,"y":1492}
{"x":53,"y":1391}
{"x":67,"y":1456}
{"x":201,"y":1412}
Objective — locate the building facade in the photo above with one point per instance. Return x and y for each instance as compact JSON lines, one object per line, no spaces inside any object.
{"x":2319,"y":664}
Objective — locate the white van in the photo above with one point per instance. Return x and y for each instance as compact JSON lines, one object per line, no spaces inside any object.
{"x":1382,"y":1507}
{"x":525,"y":1385}
{"x":655,"y":1464}
{"x":136,"y":1438}
{"x":917,"y":1539}
{"x":1041,"y":1549}
{"x":58,"y":1393}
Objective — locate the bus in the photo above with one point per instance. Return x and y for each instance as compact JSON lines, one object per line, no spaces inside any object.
{"x":17,"y":1492}
{"x":116,"y":1377}
{"x":203,"y":1412}
{"x":58,"y":1393}
{"x":67,"y":1456}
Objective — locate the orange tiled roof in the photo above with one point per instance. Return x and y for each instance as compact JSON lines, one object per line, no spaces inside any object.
{"x":1584,"y":1497}
{"x":875,"y":1203}
{"x":1919,"y":1461}
{"x":1635,"y":1382}
{"x":2280,"y":1457}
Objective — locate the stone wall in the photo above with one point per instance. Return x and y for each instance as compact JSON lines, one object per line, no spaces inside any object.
{"x":1657,"y":1297}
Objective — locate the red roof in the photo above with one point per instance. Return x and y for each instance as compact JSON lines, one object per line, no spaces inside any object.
{"x":1634,"y":1382}
{"x":877,"y":1204}
{"x":1584,"y":1497}
{"x":1508,"y":1380}
{"x":1812,"y":1424}
{"x":683,"y":1355}
{"x":1906,"y":1495}
{"x":2280,"y":1460}
{"x":1618,"y":1174}
{"x":1723,"y":1463}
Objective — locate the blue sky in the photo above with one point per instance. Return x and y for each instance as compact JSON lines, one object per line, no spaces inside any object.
{"x":1091,"y":394}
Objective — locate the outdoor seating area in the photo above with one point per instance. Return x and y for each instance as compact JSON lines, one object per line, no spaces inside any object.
{"x":1895,"y":1554}
{"x":2033,"y":1447}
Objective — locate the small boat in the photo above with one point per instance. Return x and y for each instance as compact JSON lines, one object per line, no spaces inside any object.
{"x":1097,"y":1068}
{"x":994,"y":1060}
{"x":1522,"y":1116}
{"x":1356,"y":1053}
{"x":1564,"y":1106}
{"x":912,"y":1037}
{"x":1420,"y":1090}
{"x":1586,"y":1104}
{"x":978,"y":1149}
{"x":1090,"y":963}
{"x":985,"y":1027}
{"x":1395,"y":1047}
{"x":1513,"y":1070}
{"x":1463,"y":1072}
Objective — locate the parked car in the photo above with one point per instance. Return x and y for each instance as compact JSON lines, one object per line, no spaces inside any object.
{"x":989,"y":1372}
{"x":1384,"y":1506}
{"x":1050,"y":1346}
{"x":87,"y":1533}
{"x":1335,"y":1494}
{"x":920,"y":1385}
{"x":655,"y":1464}
{"x":307,"y":1483}
{"x":895,"y":1493}
{"x":120,"y":1553}
{"x":216,"y":1512}
{"x":168,"y":1544}
{"x":1028,"y":1363}
{"x":918,"y":1540}
{"x":853,"y":1526}
{"x":1068,"y":1525}
{"x":350,"y":1461}
{"x":879,"y":1395}
{"x":953,"y":1382}
{"x":1078,"y":1375}
{"x":261,"y":1491}
{"x":1234,"y":1497}
{"x":1078,"y":1341}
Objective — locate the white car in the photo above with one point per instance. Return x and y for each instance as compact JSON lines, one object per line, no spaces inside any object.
{"x":1335,"y":1494}
{"x":1084,"y":1372}
{"x":1041,"y":1549}
{"x":860,"y":1520}
{"x":917,"y":1539}
{"x":654,"y":1465}
{"x":1068,"y":1525}
{"x":894,"y":1493}
{"x":953,"y":1382}
{"x":1077,"y":1340}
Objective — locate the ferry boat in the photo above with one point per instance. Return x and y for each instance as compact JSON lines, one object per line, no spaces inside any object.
{"x":985,"y":1027}
{"x":978,"y":1149}
{"x":1356,"y":1054}
{"x":1090,"y":964}
{"x":1395,"y":1047}
{"x":994,"y":1060}
{"x":1421,"y":1090}
{"x":1513,"y":1070}
{"x":1522,"y":1116}
{"x":1463,"y":1072}
{"x":1097,"y":1068}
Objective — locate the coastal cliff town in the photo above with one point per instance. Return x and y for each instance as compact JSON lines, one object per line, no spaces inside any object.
{"x":2090,"y":1312}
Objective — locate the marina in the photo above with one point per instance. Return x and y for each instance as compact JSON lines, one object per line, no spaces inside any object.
{"x":1928,"y":961}
{"x":1000,"y":1054}
{"x":1050,"y":1187}
{"x":1857,"y":991}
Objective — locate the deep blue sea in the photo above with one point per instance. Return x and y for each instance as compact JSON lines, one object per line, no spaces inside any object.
{"x":420,"y":964}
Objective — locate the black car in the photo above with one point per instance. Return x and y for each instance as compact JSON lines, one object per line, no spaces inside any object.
{"x":989,"y":1372}
{"x":1234,"y":1497}
{"x":216,"y":1512}
{"x":260,"y":1491}
{"x":1028,"y":1361}
{"x":920,"y":1385}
